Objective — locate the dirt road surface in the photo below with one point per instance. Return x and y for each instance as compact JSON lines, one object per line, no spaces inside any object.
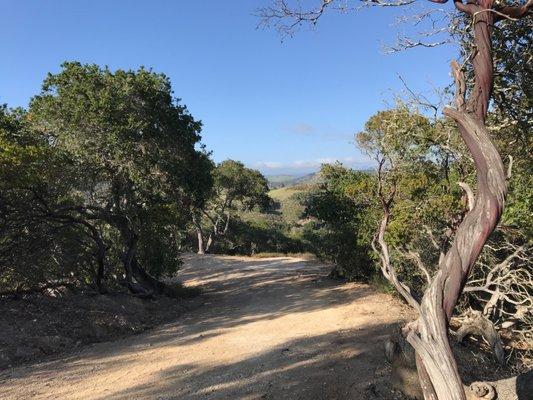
{"x":273,"y":328}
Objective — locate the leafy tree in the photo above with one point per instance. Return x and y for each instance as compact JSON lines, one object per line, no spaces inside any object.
{"x":131,"y":145}
{"x":345,"y":221}
{"x":235,"y":187}
{"x":40,"y":244}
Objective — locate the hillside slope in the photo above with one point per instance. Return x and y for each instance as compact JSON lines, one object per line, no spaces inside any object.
{"x":278,"y":181}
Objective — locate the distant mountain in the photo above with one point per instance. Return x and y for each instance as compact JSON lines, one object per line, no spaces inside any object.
{"x":277,"y":181}
{"x":279,"y":178}
{"x":313,"y":177}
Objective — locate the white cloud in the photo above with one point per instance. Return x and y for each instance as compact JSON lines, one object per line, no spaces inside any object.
{"x":302,"y":128}
{"x":269,"y":165}
{"x":324,"y":133}
{"x":312,"y":165}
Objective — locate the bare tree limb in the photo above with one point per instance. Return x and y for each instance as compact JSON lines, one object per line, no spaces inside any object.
{"x":413,"y":255}
{"x":388,"y":270}
{"x":477,"y":324}
{"x":515,"y":12}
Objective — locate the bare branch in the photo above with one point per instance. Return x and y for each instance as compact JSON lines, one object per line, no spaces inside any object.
{"x":388,"y":270}
{"x":432,"y":238}
{"x":407,"y":43}
{"x":460,"y":85}
{"x":281,"y":11}
{"x":413,"y":255}
{"x":467,"y":8}
{"x":504,"y":289}
{"x":398,"y":3}
{"x":287,"y":17}
{"x":477,"y":324}
{"x":515,"y":12}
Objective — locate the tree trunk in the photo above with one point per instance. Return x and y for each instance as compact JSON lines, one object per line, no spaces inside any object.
{"x":138,"y":280}
{"x":200,"y":241}
{"x":127,"y":260}
{"x":209,"y":243}
{"x":199,"y":235}
{"x":100,"y":273}
{"x":100,"y":256}
{"x":150,"y":284}
{"x":404,"y":377}
{"x":477,"y":324}
{"x":429,"y":335}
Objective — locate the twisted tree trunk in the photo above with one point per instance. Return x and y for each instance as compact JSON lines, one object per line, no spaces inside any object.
{"x":429,"y":334}
{"x":405,"y":377}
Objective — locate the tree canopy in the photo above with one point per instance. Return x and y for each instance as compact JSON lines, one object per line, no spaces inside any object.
{"x":235,"y":187}
{"x":114,"y":155}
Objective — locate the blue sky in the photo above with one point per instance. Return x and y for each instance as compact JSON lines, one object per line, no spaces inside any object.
{"x":281,"y":107}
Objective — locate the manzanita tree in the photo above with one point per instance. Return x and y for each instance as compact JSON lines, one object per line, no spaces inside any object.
{"x":428,"y":334}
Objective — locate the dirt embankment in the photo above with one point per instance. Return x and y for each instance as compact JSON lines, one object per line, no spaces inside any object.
{"x":39,"y":326}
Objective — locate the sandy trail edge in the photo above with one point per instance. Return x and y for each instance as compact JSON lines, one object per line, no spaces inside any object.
{"x":268,"y":329}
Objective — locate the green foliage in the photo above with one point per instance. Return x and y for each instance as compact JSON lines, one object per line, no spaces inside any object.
{"x":233,"y":182}
{"x":160,"y":245}
{"x":123,"y":129}
{"x":398,"y":134}
{"x":102,"y":165}
{"x":236,"y":189}
{"x":259,"y":235}
{"x":36,"y":245}
{"x":342,"y":221}
{"x":417,"y":166}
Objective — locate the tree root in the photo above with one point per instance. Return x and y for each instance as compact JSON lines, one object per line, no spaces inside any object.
{"x":404,"y":377}
{"x":477,"y":324}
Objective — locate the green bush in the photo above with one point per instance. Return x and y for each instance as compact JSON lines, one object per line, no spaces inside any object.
{"x":258,"y":236}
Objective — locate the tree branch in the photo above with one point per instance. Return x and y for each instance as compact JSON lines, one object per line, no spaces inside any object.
{"x":388,"y":270}
{"x":514,"y":12}
{"x":418,"y":261}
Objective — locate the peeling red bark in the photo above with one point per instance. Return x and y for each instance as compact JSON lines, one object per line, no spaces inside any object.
{"x":429,"y":335}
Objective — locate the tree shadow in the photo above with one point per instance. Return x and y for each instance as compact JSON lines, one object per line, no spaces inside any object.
{"x":340,"y":365}
{"x":237,"y":292}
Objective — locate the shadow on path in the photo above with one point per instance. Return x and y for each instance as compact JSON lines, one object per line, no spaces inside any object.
{"x":267,"y":329}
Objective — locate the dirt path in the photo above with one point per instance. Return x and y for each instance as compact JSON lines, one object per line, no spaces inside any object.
{"x":268,"y":329}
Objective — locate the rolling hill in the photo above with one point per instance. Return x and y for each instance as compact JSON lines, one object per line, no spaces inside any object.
{"x":279,"y":181}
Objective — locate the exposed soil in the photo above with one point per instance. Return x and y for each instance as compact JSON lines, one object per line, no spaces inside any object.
{"x":273,"y":328}
{"x":39,"y":326}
